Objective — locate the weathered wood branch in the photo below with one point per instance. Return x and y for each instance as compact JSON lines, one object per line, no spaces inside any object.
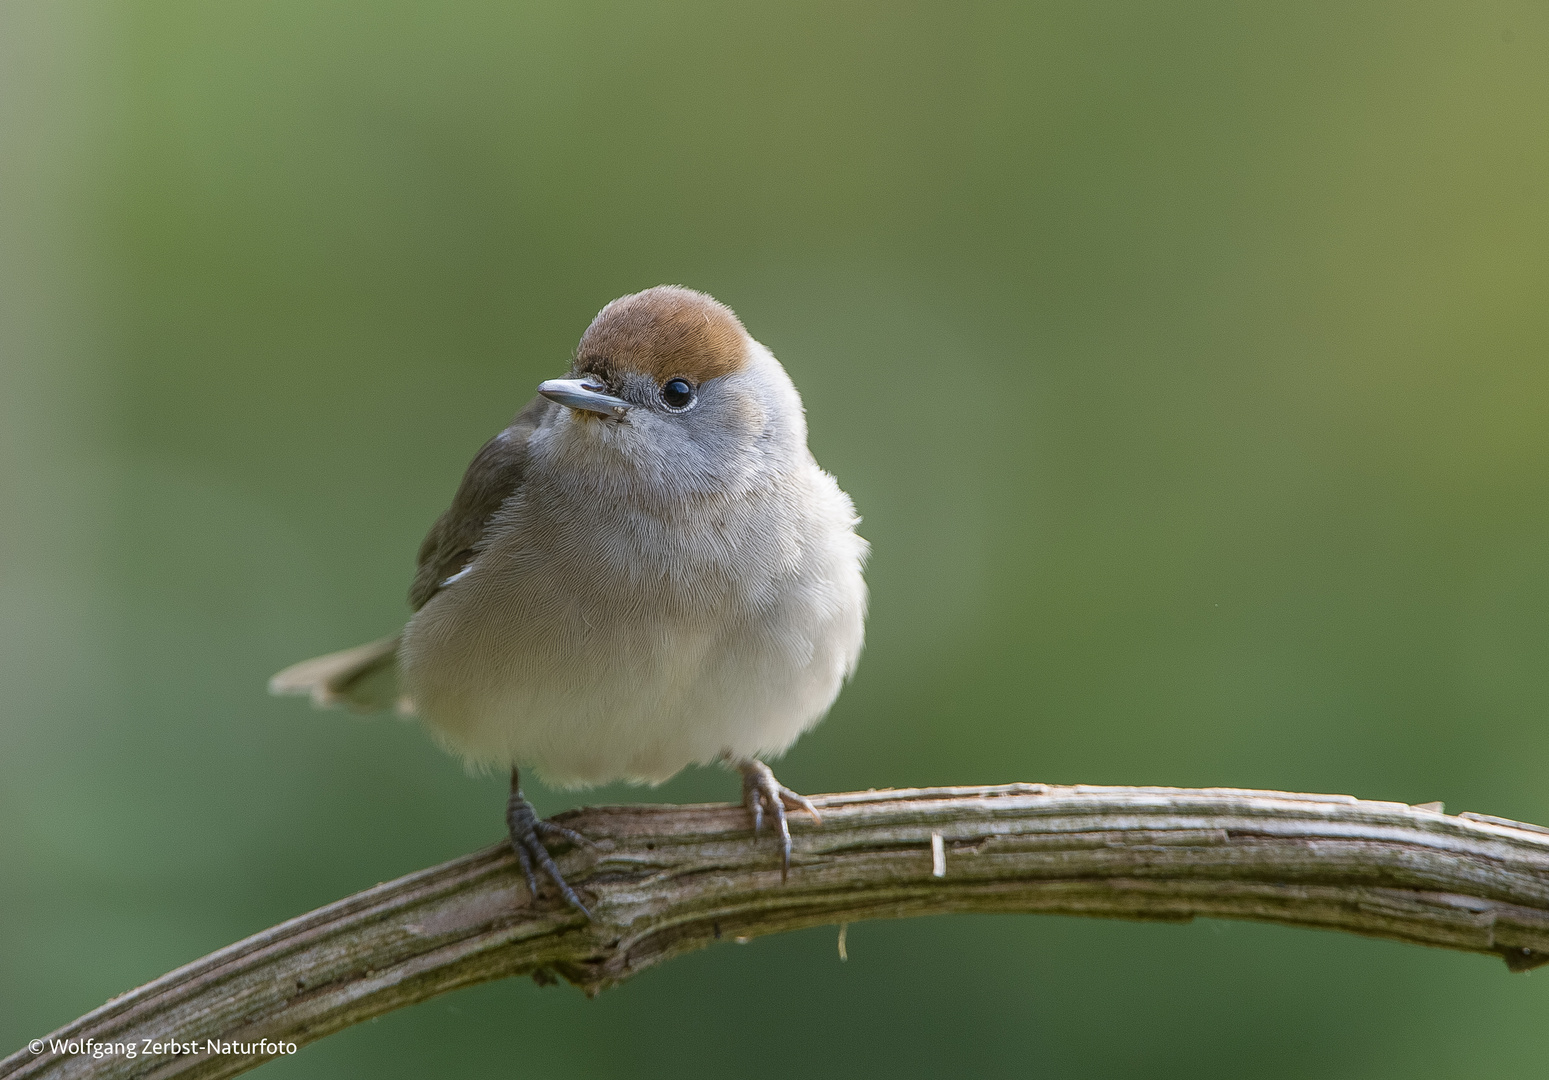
{"x":663,"y":880}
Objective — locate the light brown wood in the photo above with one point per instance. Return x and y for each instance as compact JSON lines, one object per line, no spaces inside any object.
{"x":663,"y":880}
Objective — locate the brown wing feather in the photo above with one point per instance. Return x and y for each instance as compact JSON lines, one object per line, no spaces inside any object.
{"x":495,"y":472}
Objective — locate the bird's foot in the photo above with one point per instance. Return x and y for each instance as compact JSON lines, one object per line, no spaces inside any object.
{"x":528,"y":833}
{"x":762,"y":793}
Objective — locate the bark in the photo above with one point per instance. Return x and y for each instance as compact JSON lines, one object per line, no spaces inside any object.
{"x":662,"y":880}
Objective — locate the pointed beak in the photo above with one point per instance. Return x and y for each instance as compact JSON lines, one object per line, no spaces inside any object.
{"x":585,"y":395}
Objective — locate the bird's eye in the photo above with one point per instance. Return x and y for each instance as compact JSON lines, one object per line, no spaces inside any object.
{"x":677,"y":393}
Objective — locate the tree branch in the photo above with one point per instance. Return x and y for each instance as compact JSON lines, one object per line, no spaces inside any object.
{"x":663,"y":880}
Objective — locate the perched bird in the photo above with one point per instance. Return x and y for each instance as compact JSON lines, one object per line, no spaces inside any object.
{"x":645,"y":570}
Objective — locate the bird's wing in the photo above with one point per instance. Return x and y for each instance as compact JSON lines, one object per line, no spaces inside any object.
{"x":493,"y":475}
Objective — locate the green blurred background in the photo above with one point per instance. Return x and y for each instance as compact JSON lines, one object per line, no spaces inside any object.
{"x":1187,"y":362}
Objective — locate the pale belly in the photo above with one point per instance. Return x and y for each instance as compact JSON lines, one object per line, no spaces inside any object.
{"x":590,"y":678}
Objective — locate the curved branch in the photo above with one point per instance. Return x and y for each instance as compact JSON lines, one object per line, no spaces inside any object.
{"x":663,"y":880}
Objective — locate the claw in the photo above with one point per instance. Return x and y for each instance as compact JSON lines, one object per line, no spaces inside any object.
{"x":753,"y":799}
{"x":760,"y":792}
{"x":528,"y":832}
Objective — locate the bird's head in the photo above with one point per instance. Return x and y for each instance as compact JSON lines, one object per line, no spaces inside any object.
{"x":668,"y":387}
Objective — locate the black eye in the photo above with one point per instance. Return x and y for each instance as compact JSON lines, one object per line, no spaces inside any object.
{"x":677,"y":393}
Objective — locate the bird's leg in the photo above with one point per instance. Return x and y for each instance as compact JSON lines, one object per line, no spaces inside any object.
{"x":528,"y":831}
{"x":762,"y":792}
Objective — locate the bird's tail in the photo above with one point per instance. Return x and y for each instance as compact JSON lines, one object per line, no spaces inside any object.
{"x":362,"y":679}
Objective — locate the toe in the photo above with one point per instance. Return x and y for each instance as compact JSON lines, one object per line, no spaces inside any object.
{"x":541,"y":854}
{"x":526,"y":861}
{"x":550,"y":831}
{"x":778,"y":812}
{"x":797,"y":801}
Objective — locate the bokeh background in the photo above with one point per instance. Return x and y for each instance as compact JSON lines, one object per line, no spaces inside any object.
{"x":1186,"y":360}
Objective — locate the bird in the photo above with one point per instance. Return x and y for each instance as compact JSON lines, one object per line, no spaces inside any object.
{"x":645,"y":570}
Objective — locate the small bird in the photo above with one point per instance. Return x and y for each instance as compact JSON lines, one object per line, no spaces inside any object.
{"x":645,"y":570}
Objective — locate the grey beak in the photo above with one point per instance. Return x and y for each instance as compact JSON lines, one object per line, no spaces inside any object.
{"x":584,"y":394}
